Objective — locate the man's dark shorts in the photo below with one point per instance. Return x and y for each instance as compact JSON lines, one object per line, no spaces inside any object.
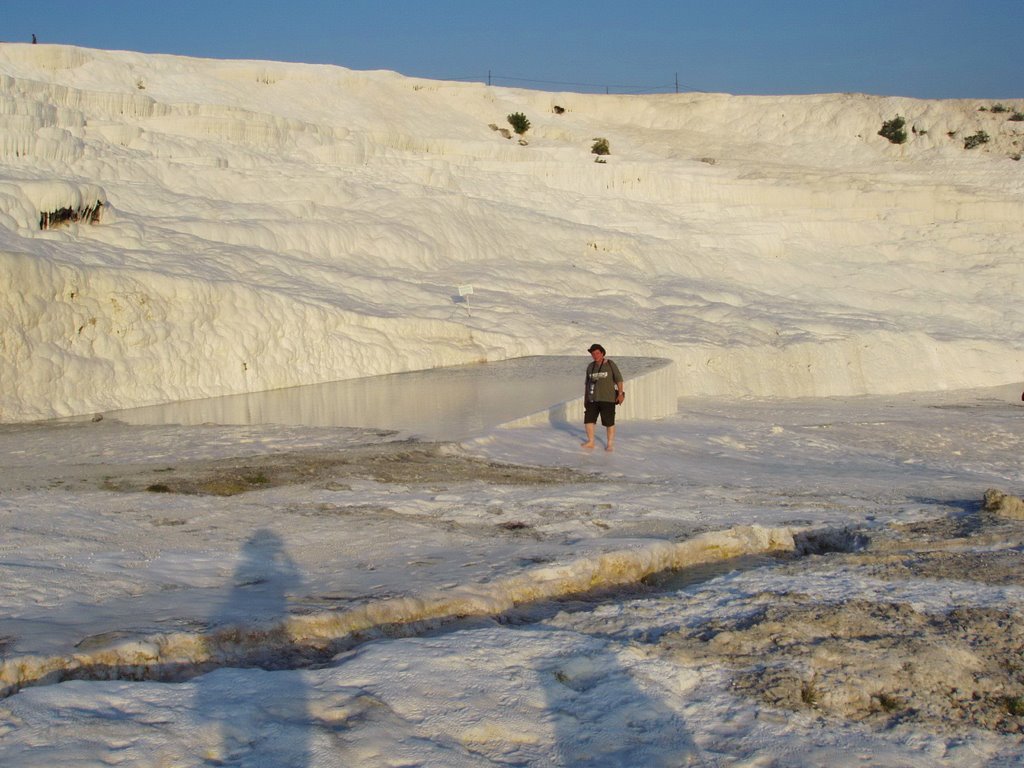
{"x":607,"y":411}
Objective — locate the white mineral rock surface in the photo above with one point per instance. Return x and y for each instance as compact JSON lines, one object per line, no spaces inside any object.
{"x":266,"y":225}
{"x":794,"y":568}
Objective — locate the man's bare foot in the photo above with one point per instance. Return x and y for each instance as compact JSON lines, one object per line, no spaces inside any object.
{"x":587,"y":446}
{"x":610,"y":448}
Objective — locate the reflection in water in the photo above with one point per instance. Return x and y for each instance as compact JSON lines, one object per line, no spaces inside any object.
{"x":443,"y":403}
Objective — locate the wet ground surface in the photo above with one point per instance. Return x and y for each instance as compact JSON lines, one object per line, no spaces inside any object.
{"x":881,"y":648}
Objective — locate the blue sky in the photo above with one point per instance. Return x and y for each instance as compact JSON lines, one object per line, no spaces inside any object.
{"x":922,"y":48}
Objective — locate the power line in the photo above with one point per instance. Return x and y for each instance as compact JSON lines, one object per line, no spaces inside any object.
{"x":490,"y":78}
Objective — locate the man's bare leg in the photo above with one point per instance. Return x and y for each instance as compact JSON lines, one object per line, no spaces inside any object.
{"x":590,"y":436}
{"x":610,"y":442}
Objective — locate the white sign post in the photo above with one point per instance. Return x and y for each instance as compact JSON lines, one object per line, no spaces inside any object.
{"x":465,"y":291}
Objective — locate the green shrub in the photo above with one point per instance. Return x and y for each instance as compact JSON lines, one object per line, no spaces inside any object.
{"x":998,"y":108}
{"x":519,"y":122}
{"x":893,"y":130}
{"x":976,"y":140}
{"x":601,"y":147}
{"x":1017,"y":117}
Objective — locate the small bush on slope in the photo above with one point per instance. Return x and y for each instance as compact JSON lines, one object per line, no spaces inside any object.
{"x":976,"y":140}
{"x":519,"y":122}
{"x":893,"y":130}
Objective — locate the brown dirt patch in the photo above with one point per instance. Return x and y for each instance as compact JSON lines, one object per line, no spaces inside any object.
{"x":401,"y":463}
{"x":885,"y":663}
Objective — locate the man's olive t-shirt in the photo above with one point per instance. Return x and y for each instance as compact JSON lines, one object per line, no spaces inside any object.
{"x":601,"y":380}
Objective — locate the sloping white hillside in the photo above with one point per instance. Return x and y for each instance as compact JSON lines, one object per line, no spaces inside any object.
{"x":264,"y":225}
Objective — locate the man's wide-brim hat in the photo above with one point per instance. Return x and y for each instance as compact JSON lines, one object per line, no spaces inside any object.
{"x":597,"y":347}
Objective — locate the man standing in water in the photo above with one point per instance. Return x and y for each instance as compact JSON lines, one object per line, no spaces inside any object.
{"x":604,"y":390}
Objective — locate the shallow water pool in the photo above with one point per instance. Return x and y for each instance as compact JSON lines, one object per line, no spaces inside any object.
{"x":450,"y":403}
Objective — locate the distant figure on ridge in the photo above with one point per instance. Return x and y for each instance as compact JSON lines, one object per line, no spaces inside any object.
{"x":603,"y":390}
{"x":34,"y":41}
